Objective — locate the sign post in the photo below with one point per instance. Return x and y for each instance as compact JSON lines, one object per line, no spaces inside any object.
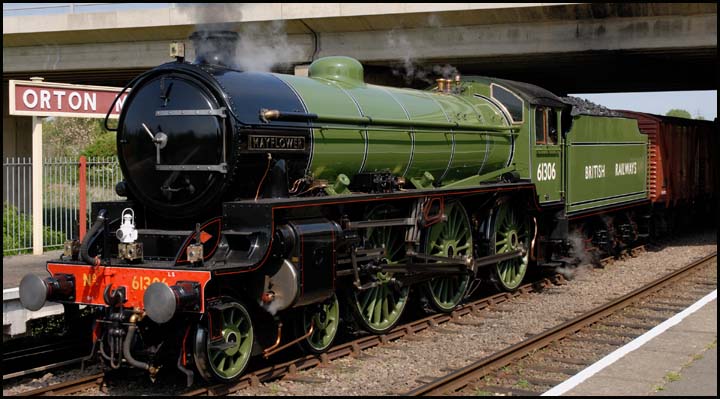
{"x":37,"y":182}
{"x":37,"y":186}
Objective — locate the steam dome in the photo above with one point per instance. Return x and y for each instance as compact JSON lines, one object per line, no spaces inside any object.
{"x":343,"y":69}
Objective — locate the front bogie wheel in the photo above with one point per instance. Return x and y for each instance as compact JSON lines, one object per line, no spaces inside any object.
{"x":223,"y":350}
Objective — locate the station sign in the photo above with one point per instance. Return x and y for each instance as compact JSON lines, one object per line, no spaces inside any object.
{"x":34,"y":98}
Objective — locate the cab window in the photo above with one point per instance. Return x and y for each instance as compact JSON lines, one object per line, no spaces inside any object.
{"x":546,"y":121}
{"x":512,"y":103}
{"x":552,"y":130}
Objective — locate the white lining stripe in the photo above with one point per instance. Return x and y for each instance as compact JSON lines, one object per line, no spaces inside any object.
{"x":507,"y":118}
{"x":412,"y":130}
{"x":487,"y":154}
{"x":363,"y":132}
{"x":629,"y":347}
{"x":452,"y":134}
{"x":312,"y":131}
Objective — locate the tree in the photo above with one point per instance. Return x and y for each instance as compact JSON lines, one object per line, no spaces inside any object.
{"x":104,"y":145}
{"x":680,"y":113}
{"x":68,"y":137}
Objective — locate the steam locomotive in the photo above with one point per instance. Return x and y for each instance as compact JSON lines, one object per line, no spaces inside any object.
{"x":263,"y":209}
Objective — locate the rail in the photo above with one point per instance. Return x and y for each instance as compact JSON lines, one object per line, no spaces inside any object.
{"x":355,"y":348}
{"x":458,"y":379}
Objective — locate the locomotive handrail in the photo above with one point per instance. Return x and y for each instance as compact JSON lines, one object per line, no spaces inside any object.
{"x":127,"y":86}
{"x":427,"y":130}
{"x":267,"y":115}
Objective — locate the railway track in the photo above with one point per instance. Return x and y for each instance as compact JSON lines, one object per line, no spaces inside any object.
{"x":354,"y":348}
{"x":23,"y":361}
{"x":67,"y":387}
{"x":289,"y":370}
{"x":542,"y":361}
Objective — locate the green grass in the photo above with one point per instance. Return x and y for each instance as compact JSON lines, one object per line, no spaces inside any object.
{"x":274,"y":388}
{"x":480,"y":392}
{"x":522,"y":384}
{"x":489,"y":380}
{"x":672,"y":376}
{"x":15,"y":221}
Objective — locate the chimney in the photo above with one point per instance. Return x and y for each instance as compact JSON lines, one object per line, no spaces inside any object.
{"x":215,"y":47}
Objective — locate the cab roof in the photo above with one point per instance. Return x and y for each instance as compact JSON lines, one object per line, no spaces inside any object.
{"x":535,"y":95}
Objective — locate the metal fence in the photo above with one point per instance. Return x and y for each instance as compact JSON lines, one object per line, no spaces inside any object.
{"x":17,"y":205}
{"x":61,"y":198}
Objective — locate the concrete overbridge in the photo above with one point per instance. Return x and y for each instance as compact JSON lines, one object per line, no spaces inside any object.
{"x":586,"y":47}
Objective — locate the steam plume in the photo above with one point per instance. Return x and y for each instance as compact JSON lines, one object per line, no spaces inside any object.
{"x":260,"y":46}
{"x":409,"y":68}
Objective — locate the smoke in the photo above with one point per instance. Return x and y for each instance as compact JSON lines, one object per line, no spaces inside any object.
{"x":260,"y":46}
{"x":577,"y":248}
{"x":583,"y":259}
{"x":409,"y":68}
{"x":447,"y":71}
{"x":570,"y":272}
{"x":434,"y":21}
{"x":271,"y":307}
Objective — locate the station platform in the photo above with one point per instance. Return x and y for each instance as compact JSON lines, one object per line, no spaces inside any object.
{"x":15,"y":317}
{"x":679,"y":361}
{"x":15,"y":267}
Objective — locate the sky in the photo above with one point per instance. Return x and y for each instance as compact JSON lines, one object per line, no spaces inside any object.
{"x":702,"y":103}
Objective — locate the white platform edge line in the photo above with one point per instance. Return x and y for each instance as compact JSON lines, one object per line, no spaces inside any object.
{"x":629,"y":347}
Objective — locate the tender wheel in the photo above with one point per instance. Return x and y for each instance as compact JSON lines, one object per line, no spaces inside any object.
{"x":511,"y":231}
{"x":451,"y":238}
{"x":325,"y":318}
{"x":378,"y":309}
{"x":626,"y":232}
{"x":224,"y":356}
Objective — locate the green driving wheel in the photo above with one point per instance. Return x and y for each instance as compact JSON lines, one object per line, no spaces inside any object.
{"x":377,"y":309}
{"x":451,"y":238}
{"x":511,"y":232}
{"x":324,"y":317}
{"x":225,"y":356}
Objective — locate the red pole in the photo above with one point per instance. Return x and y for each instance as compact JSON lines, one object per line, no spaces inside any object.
{"x":83,"y":191}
